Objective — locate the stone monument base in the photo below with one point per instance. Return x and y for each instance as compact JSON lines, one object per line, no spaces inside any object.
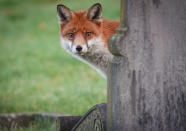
{"x":94,"y":119}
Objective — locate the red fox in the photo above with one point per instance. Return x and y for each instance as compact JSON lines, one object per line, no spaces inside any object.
{"x":85,"y":34}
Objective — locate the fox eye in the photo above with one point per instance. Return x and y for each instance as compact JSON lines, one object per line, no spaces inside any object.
{"x":71,"y":35}
{"x":88,"y":34}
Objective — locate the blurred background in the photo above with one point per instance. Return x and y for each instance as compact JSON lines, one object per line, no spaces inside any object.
{"x":36,"y":74}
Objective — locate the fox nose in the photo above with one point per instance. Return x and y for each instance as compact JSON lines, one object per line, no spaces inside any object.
{"x":78,"y":48}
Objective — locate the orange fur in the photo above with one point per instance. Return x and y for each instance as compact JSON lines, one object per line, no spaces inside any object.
{"x":79,"y":24}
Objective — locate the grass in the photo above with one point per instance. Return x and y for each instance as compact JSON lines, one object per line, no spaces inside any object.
{"x":36,"y":74}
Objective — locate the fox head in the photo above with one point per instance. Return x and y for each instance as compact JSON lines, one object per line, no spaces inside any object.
{"x":80,"y":30}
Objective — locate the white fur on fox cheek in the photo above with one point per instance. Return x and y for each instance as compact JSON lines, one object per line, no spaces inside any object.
{"x":97,"y":41}
{"x":74,"y":49}
{"x":66,"y":44}
{"x":84,"y":48}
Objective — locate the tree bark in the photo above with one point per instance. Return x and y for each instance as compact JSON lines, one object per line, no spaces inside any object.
{"x":147,"y":78}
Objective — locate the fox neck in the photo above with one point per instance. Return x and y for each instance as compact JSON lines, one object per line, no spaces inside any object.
{"x":97,"y":56}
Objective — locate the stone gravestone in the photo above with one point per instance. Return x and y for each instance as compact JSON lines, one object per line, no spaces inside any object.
{"x":147,"y":78}
{"x":93,"y":120}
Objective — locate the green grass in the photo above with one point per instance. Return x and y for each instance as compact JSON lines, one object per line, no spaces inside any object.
{"x":36,"y":74}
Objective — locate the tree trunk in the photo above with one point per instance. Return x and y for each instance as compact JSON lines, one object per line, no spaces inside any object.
{"x":147,"y":78}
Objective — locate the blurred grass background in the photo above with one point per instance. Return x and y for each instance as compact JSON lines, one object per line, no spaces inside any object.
{"x":36,"y":74}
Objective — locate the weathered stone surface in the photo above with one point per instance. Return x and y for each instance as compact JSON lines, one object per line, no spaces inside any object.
{"x":67,"y":122}
{"x":93,"y":120}
{"x":11,"y":120}
{"x":63,"y":123}
{"x":147,"y":78}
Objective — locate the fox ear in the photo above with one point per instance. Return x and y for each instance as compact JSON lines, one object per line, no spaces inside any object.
{"x":95,"y":12}
{"x":64,"y":14}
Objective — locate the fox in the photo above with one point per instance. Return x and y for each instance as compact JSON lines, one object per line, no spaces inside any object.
{"x":85,"y":34}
